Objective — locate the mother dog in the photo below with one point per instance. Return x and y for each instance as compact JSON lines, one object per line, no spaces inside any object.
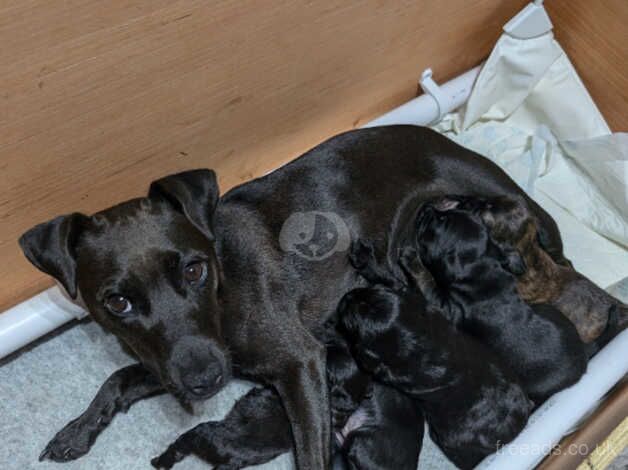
{"x":202,"y":287}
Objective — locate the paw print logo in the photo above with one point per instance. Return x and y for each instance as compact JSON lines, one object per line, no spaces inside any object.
{"x":314,"y":235}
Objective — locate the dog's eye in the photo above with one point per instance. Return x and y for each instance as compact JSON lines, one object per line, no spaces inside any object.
{"x":118,"y":304}
{"x":195,"y":272}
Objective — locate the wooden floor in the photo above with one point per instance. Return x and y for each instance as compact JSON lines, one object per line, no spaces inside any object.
{"x":99,"y":98}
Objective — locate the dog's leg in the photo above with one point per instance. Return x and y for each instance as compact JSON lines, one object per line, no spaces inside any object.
{"x":302,"y":385}
{"x":255,"y":431}
{"x":123,"y":388}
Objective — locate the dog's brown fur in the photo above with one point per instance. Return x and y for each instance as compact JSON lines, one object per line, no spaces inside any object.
{"x":545,"y":281}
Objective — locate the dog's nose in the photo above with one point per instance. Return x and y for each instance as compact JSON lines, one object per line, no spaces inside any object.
{"x":205,"y":384}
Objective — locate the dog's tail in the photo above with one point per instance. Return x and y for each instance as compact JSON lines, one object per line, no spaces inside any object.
{"x":608,"y":334}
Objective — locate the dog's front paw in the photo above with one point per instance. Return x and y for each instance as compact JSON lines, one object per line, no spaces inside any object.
{"x":72,"y":442}
{"x":168,"y":458}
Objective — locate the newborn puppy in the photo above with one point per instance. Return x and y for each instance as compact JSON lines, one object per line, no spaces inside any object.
{"x":375,"y":427}
{"x":511,"y":225}
{"x":470,"y":403}
{"x":476,"y":288}
{"x":385,"y":432}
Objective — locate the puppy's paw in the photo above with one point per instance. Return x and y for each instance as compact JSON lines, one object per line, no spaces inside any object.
{"x":410,"y":260}
{"x":362,"y":254}
{"x":72,"y":442}
{"x":167,"y":460}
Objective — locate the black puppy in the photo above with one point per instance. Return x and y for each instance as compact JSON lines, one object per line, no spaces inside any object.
{"x":381,"y":430}
{"x":375,"y":427}
{"x":471,"y":404}
{"x":475,"y":286}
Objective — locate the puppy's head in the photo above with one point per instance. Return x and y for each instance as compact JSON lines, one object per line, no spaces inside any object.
{"x":364,"y":313}
{"x":452,"y":234}
{"x":372,"y":320}
{"x":147,"y":271}
{"x":449,"y":240}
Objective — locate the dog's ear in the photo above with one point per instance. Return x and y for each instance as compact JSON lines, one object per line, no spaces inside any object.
{"x":50,"y":247}
{"x":194,"y":192}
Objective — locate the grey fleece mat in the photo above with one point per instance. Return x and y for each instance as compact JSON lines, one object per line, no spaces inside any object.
{"x":52,"y":382}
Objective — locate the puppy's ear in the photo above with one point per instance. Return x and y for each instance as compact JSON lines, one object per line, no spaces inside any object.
{"x":194,"y":192}
{"x":514,"y":262}
{"x":509,"y":258}
{"x":50,"y":247}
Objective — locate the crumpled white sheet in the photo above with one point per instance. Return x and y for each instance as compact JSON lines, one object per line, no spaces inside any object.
{"x":530,"y":113}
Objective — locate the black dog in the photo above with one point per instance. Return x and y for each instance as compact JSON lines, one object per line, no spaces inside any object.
{"x":471,"y":404}
{"x":475,"y":286}
{"x":201,"y":288}
{"x":375,"y":427}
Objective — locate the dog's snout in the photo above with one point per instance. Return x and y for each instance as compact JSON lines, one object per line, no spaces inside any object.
{"x":205,"y":383}
{"x":199,"y":368}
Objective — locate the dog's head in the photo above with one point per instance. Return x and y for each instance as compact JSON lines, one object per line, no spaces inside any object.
{"x":147,"y":271}
{"x":452,"y":236}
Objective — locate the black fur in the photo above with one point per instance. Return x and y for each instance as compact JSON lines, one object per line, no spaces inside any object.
{"x":475,"y":286}
{"x":472,"y":405}
{"x":253,"y":312}
{"x":375,"y":427}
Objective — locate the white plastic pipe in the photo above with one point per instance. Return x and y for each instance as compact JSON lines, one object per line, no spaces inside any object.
{"x":34,"y":318}
{"x":563,"y":411}
{"x":425,"y":109}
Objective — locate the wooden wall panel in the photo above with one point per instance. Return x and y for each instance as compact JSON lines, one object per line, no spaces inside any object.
{"x":595,"y":36}
{"x":99,"y":98}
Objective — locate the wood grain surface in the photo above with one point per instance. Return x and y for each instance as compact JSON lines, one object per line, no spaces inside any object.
{"x":99,"y":98}
{"x":595,"y":36}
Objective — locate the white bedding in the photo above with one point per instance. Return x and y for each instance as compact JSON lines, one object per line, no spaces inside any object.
{"x":530,"y":113}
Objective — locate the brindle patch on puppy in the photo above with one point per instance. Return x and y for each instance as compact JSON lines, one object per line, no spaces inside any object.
{"x":544,"y":281}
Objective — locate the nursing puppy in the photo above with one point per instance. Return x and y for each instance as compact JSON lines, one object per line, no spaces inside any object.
{"x":511,"y":226}
{"x":476,"y":288}
{"x":385,"y":432}
{"x":471,"y":404}
{"x":375,"y":427}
